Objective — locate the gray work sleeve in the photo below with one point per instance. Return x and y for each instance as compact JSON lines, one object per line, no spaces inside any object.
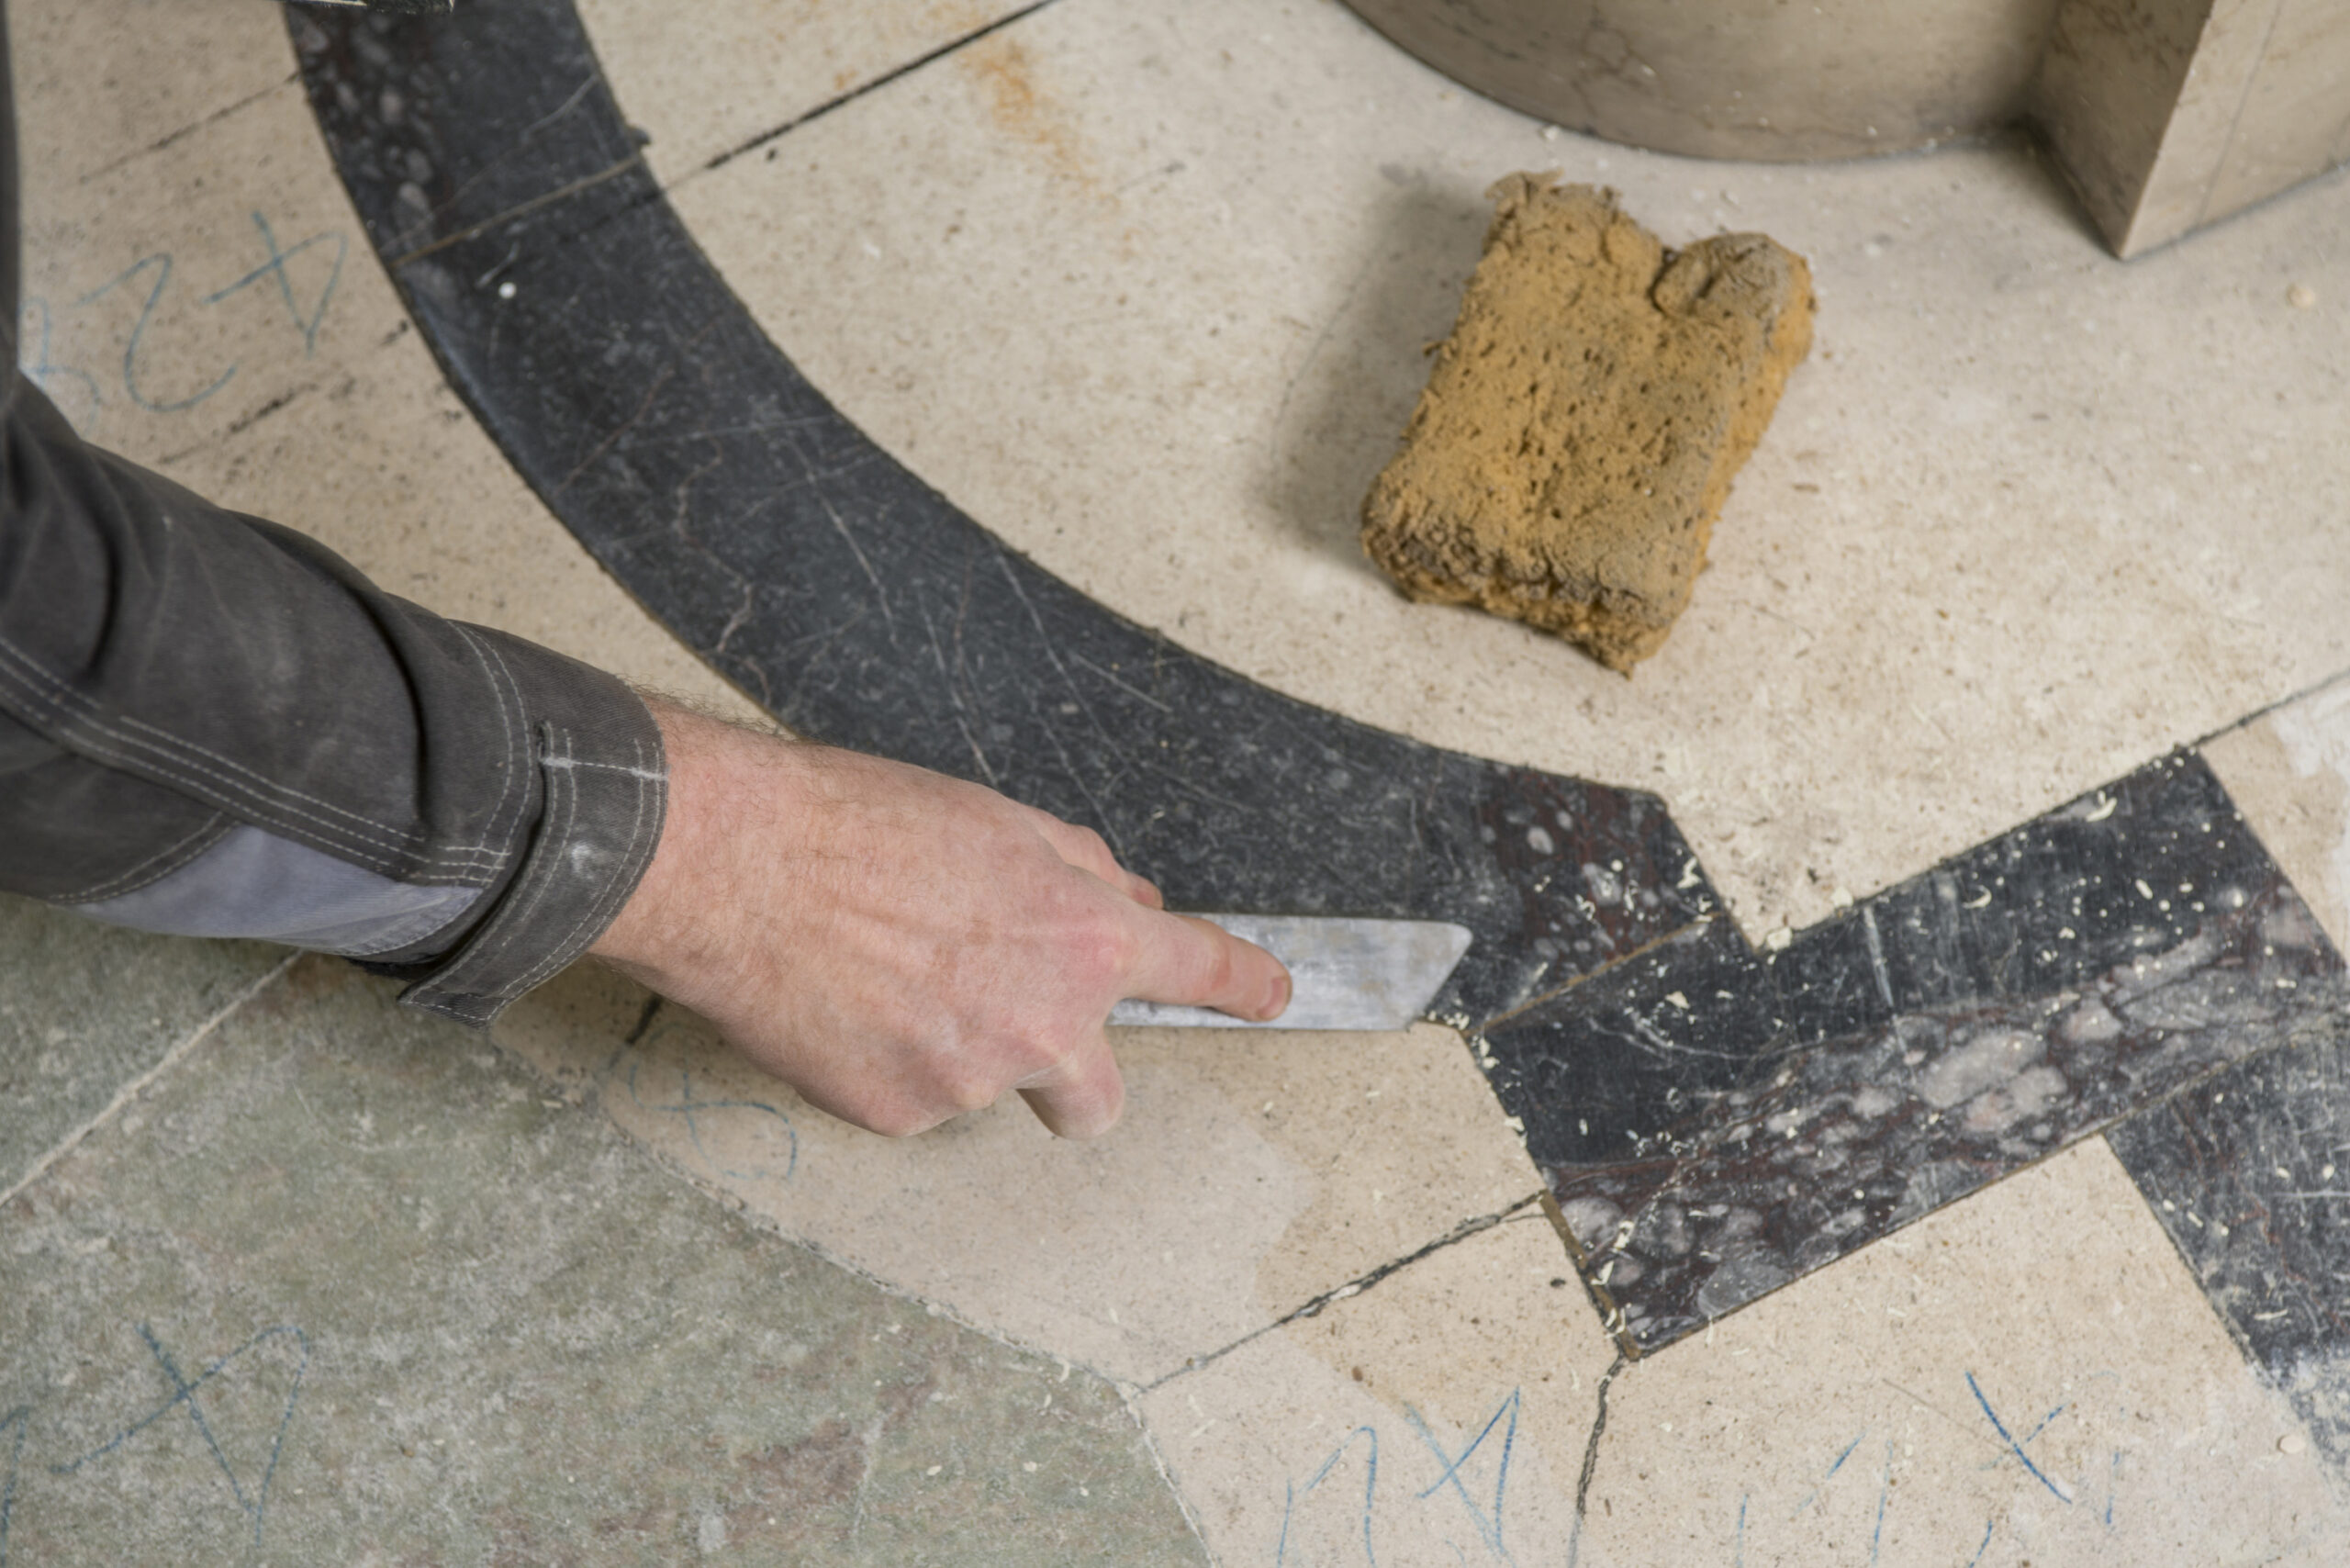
{"x":213,"y":726}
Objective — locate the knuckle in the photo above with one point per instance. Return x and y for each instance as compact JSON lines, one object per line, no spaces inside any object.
{"x":970,"y":1088}
{"x":898,"y":1121}
{"x":1113,"y":950}
{"x":1219,"y":968}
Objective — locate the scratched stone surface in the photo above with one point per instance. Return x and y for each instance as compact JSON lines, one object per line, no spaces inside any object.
{"x":86,"y":1008}
{"x":2023,"y":1377}
{"x":2247,"y":1174}
{"x":588,"y":332}
{"x":1963,"y":1025}
{"x":345,"y":1279}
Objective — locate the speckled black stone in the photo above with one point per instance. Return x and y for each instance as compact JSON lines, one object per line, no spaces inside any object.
{"x":1765,"y":1114}
{"x":574,"y":313}
{"x":2250,"y":1173}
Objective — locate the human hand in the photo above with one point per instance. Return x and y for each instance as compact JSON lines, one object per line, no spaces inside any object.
{"x":900,"y":946}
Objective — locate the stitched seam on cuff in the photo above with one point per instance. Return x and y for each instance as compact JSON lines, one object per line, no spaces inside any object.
{"x":562,"y":801}
{"x":446,"y":992}
{"x":606,"y":905}
{"x":516,"y":726}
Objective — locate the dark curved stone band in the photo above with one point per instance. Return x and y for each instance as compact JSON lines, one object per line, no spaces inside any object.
{"x":572,"y":311}
{"x":575,"y":315}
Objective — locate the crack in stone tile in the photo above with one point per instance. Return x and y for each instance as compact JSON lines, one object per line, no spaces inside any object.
{"x":138,"y":1085}
{"x":1315,"y":1307}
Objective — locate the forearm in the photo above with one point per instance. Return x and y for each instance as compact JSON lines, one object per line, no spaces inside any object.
{"x":214,"y":726}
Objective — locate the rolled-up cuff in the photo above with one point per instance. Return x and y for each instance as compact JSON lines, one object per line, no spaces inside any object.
{"x":602,"y":788}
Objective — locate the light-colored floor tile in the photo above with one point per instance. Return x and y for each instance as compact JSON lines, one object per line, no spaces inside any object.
{"x":2288,"y":772}
{"x":1252,"y":1174}
{"x":1438,"y":1417}
{"x":155,"y":319}
{"x":134,"y":74}
{"x":1145,"y":287}
{"x":706,"y":82}
{"x":1838,"y":1416}
{"x":87,"y":1009}
{"x":424,"y":1312}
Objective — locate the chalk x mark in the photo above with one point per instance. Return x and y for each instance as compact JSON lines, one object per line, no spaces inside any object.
{"x":2059,"y":1492}
{"x":184,"y":1394}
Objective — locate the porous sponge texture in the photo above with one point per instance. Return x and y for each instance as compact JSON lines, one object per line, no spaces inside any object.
{"x":1581,"y":427}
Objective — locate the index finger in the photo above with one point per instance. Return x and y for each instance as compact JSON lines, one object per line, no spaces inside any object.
{"x":1192,"y":962}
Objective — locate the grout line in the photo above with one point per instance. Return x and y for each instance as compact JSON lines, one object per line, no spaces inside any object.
{"x":138,"y":1085}
{"x":1591,"y":1457}
{"x":2232,"y":725}
{"x":1131,"y":1398}
{"x":720,"y":159}
{"x":215,"y":117}
{"x":1354,"y":1287}
{"x":2195,"y":745}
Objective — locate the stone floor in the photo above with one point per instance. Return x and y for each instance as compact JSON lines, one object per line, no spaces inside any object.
{"x":287,"y":1276}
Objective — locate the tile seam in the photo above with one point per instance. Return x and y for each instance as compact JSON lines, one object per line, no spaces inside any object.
{"x":842,"y":100}
{"x":1316,"y":1305}
{"x":1591,"y":1455}
{"x":291,"y":79}
{"x":139,"y":1085}
{"x":2265,"y":709}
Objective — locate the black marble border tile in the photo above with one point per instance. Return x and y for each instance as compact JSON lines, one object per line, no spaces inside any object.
{"x":2250,"y":1174}
{"x":572,"y":311}
{"x":1763,"y":1114}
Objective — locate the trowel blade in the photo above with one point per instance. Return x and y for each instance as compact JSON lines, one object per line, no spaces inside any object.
{"x":1345,"y":974}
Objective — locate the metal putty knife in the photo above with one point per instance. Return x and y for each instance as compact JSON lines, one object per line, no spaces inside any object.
{"x":1345,"y":974}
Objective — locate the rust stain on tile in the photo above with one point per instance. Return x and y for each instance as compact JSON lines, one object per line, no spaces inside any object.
{"x":1021,"y":110}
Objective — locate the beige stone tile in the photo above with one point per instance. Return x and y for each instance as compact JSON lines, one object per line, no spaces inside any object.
{"x":131,"y":74}
{"x":156,"y":319}
{"x":705,"y":83}
{"x":2288,"y":772}
{"x":1145,"y":289}
{"x":1838,"y":1416}
{"x":1333,"y":1438}
{"x":1251,"y":1174}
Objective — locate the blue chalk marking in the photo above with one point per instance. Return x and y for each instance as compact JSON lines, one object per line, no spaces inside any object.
{"x":1987,"y":1525}
{"x":18,"y":1419}
{"x":1488,"y":1525}
{"x":1739,"y":1561}
{"x":184,"y":1393}
{"x":1370,"y":1489}
{"x":685,"y":1104}
{"x":1813,"y":1495}
{"x":38,"y":366}
{"x":1884,"y":1496}
{"x":161,"y":261}
{"x":2000,"y":1426}
{"x":2112,"y":1480}
{"x":275,"y":266}
{"x":2044,"y":1420}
